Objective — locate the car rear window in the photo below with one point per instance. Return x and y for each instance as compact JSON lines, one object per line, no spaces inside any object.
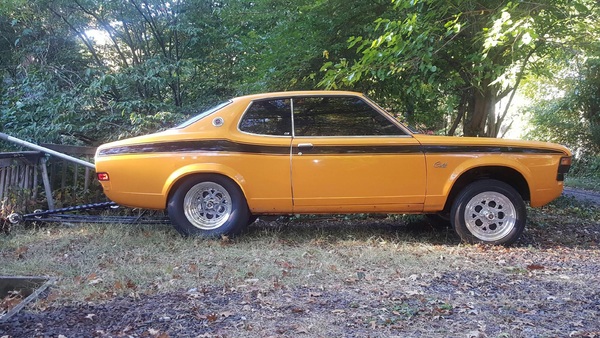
{"x":268,"y":117}
{"x":202,"y":115}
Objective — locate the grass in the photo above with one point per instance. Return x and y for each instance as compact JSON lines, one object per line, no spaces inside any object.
{"x":583,"y":182}
{"x":100,"y":261}
{"x":322,"y":276}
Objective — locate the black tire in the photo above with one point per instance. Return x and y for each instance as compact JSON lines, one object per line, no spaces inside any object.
{"x":252,"y":219}
{"x":208,"y":206}
{"x":490,"y":212}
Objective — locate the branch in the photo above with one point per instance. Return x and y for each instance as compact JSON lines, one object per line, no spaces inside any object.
{"x":516,"y":86}
{"x":81,"y":35}
{"x":108,"y":28}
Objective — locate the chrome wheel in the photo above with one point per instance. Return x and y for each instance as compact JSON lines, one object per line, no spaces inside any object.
{"x":207,"y":205}
{"x":490,"y":216}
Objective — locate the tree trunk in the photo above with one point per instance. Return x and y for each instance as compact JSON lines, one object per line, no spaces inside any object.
{"x":482,"y":107}
{"x":463,"y":106}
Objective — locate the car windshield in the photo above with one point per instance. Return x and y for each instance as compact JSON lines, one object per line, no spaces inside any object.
{"x":202,"y":115}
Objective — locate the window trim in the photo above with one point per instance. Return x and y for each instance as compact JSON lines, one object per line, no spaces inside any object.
{"x":377,"y":108}
{"x":201,"y":116}
{"x":266,"y":135}
{"x":366,"y":100}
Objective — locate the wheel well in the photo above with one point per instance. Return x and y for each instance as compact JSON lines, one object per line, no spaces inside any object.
{"x":182,"y":179}
{"x":504,"y":174}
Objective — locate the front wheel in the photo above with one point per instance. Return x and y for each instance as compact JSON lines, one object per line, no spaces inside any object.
{"x":208,"y":206}
{"x":490,"y":212}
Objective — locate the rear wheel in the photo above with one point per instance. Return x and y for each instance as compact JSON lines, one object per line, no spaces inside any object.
{"x":208,"y":206}
{"x":490,"y":212}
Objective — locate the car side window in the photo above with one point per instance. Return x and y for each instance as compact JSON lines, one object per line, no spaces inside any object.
{"x":340,"y":116}
{"x":268,"y":117}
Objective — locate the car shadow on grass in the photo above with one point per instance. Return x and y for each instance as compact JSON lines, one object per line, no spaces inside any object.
{"x":332,"y":229}
{"x":566,"y":223}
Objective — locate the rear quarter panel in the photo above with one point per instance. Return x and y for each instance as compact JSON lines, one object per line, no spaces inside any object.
{"x":536,"y":162}
{"x":144,"y":177}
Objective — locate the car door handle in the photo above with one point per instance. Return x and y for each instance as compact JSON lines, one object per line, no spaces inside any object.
{"x":305,"y":146}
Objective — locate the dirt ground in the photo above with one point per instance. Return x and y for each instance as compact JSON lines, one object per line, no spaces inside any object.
{"x":544,"y":286}
{"x":583,"y":195}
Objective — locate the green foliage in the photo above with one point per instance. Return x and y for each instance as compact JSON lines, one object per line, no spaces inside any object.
{"x":586,"y":167}
{"x":567,"y":111}
{"x":88,"y":71}
{"x":455,"y":60}
{"x":156,"y":66}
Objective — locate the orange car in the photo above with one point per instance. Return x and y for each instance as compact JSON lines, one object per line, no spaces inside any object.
{"x":327,"y":152}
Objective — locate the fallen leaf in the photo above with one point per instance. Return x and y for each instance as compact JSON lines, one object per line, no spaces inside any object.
{"x":21,"y":251}
{"x":284,"y":264}
{"x":476,"y":334}
{"x":225,"y":240}
{"x":95,"y":281}
{"x":301,"y":329}
{"x":193,"y":267}
{"x":532,"y":267}
{"x":131,"y":285}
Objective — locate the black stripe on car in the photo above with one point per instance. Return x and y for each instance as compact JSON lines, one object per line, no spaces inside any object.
{"x":230,"y":146}
{"x":195,"y":146}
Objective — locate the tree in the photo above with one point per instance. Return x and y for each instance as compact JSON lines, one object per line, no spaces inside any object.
{"x":282,"y":44}
{"x":460,"y":57}
{"x":162,"y":58}
{"x":42,"y":74}
{"x":566,"y":108}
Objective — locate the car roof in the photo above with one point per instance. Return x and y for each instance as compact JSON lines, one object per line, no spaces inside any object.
{"x":299,"y":93}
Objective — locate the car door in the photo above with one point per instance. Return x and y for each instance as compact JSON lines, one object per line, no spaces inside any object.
{"x":264,"y":164}
{"x":348,"y":156}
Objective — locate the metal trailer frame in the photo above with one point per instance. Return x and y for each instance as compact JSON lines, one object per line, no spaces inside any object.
{"x":55,"y":215}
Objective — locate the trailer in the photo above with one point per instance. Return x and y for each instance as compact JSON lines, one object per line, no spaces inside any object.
{"x":65,"y":215}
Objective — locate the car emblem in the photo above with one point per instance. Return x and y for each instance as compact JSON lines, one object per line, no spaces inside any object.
{"x":218,"y":121}
{"x":440,"y":165}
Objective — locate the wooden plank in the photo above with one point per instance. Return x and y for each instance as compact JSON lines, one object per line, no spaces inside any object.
{"x":63,"y":179}
{"x":2,"y":182}
{"x":47,"y":186}
{"x":86,"y":182}
{"x":75,"y":176}
{"x":35,"y":181}
{"x":26,"y":178}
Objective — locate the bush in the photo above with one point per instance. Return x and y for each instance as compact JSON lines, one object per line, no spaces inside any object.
{"x":587,"y":166}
